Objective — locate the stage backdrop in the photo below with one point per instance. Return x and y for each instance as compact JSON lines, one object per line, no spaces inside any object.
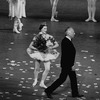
{"x":42,"y":8}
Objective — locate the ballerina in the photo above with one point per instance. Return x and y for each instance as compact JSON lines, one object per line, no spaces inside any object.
{"x":91,"y":10}
{"x":54,"y":10}
{"x":17,"y":11}
{"x":41,"y":49}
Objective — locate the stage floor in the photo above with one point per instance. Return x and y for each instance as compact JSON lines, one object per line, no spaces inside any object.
{"x":16,"y":67}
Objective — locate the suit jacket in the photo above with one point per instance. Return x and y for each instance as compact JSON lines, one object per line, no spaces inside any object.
{"x":68,"y":53}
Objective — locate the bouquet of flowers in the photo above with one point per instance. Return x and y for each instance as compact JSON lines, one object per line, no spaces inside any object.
{"x":40,"y":43}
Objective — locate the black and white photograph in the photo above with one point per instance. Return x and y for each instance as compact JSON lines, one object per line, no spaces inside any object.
{"x":49,"y":49}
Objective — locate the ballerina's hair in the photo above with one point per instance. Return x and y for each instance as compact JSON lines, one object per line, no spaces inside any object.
{"x":42,"y":25}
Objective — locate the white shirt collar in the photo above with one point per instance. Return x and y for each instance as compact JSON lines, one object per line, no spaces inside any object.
{"x":68,"y":38}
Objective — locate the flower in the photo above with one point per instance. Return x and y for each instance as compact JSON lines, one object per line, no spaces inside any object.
{"x":40,"y":43}
{"x":49,"y":43}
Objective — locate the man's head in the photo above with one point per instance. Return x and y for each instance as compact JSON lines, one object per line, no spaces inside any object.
{"x":69,"y":31}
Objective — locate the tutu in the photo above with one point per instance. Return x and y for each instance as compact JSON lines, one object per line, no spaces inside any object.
{"x":17,"y":8}
{"x":43,"y":43}
{"x":52,"y":55}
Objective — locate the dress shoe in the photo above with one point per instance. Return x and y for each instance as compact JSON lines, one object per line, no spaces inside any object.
{"x":77,"y":96}
{"x":48,"y":95}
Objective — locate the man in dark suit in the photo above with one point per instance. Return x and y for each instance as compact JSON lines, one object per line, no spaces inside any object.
{"x":67,"y":62}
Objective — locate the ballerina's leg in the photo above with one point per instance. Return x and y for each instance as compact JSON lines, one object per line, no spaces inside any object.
{"x":89,"y":11}
{"x":93,"y":10}
{"x":45,"y":73}
{"x":54,"y":12}
{"x":36,"y":71}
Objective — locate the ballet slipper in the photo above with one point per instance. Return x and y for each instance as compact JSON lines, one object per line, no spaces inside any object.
{"x":88,"y":19}
{"x":54,"y":20}
{"x":15,"y":30}
{"x":20,"y":26}
{"x":94,"y":20}
{"x":15,"y":27}
{"x":43,"y":85}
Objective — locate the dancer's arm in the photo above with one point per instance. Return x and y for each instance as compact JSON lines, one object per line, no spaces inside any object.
{"x":54,"y":42}
{"x":31,"y":46}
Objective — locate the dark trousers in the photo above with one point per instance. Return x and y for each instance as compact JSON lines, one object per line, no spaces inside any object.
{"x":63,"y":75}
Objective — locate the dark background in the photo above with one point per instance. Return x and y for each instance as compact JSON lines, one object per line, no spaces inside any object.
{"x":68,"y":9}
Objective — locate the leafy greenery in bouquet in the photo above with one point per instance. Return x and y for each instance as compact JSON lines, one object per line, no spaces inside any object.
{"x":40,"y":43}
